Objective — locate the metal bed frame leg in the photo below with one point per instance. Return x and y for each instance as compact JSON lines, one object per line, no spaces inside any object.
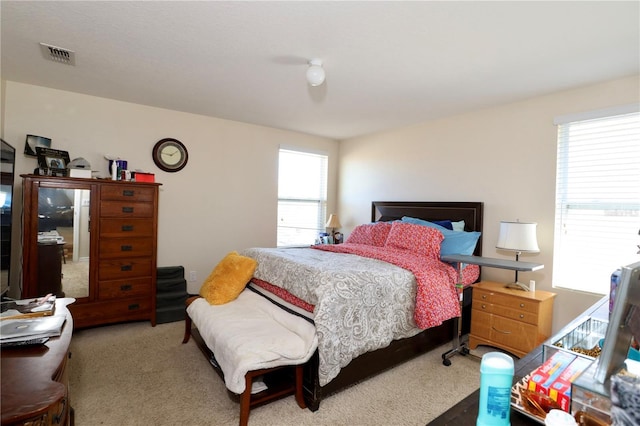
{"x":457,"y":346}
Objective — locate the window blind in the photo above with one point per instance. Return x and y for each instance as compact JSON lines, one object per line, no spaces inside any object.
{"x":302,"y":197}
{"x":597,"y":219}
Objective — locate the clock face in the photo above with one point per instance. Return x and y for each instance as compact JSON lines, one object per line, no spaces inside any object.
{"x":170,"y":155}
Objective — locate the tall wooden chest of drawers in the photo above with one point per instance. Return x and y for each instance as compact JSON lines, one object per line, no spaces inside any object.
{"x":122,"y":223}
{"x":514,"y":320}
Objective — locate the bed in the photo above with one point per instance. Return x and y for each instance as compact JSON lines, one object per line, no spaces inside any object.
{"x":336,"y":365}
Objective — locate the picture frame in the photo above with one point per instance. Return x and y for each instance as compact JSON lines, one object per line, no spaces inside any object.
{"x":52,"y":162}
{"x":32,"y":142}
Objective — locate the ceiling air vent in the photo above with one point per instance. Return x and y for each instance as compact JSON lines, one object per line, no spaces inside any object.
{"x":58,"y":54}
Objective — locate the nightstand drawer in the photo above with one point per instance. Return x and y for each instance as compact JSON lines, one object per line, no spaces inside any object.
{"x":505,"y":300}
{"x":508,"y":312}
{"x":504,"y":331}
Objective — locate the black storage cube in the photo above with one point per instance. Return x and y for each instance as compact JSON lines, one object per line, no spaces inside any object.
{"x":174,"y":298}
{"x":172,"y":314}
{"x":170,"y":285}
{"x":171,"y":294}
{"x":169,"y":272}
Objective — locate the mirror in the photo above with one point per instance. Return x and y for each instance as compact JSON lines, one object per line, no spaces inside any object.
{"x":7,"y":163}
{"x":64,"y":242}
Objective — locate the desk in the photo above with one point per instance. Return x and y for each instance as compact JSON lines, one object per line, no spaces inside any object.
{"x":466,"y":411}
{"x":35,"y":384}
{"x":50,"y":268}
{"x":492,"y":262}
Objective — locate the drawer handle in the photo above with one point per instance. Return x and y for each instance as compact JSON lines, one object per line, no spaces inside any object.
{"x":126,"y":248}
{"x":522,"y":305}
{"x":127,"y":210}
{"x":128,"y":193}
{"x":124,"y":268}
{"x":127,"y":228}
{"x":483,"y":306}
{"x":500,"y":331}
{"x":126,"y":287}
{"x":134,"y":306}
{"x":484,"y":296}
{"x":521,"y":315}
{"x":63,"y":406}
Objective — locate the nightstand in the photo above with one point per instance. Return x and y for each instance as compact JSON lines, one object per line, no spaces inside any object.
{"x":514,"y":320}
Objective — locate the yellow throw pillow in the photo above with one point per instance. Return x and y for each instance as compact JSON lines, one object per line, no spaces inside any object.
{"x":228,"y":279}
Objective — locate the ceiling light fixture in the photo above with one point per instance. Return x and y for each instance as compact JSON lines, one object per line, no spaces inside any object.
{"x":315,"y":73}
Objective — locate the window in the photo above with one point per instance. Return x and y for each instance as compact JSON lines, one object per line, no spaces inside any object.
{"x":597,"y":199}
{"x":302,"y":197}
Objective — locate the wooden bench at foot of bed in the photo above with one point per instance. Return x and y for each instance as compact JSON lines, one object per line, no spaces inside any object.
{"x":281,"y":382}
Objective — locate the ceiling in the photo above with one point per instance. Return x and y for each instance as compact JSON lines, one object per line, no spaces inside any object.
{"x":388,"y":64}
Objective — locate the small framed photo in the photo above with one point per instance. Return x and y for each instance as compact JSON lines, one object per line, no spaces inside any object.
{"x":33,"y":142}
{"x":53,"y":160}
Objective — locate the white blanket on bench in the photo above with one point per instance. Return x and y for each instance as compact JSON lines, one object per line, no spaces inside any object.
{"x":250,"y":334}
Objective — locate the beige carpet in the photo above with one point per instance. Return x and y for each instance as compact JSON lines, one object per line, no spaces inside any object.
{"x":75,"y":278}
{"x":135,"y":374}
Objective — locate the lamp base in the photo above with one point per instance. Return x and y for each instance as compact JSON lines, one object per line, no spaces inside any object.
{"x":518,"y":286}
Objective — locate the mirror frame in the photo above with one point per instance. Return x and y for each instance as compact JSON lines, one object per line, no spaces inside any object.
{"x":31,"y":191}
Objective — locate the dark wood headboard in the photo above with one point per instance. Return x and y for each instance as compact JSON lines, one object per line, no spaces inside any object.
{"x":470,"y":212}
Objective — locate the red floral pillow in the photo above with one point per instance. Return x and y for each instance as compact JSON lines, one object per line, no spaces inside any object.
{"x":418,"y":239}
{"x":371,"y":234}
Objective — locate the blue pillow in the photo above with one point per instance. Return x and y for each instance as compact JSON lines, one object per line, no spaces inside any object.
{"x":455,"y":242}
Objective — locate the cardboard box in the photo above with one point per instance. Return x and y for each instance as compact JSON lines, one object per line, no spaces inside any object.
{"x":145,"y":177}
{"x":543,"y":377}
{"x":560,"y":390}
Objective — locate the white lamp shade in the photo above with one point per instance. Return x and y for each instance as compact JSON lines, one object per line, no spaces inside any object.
{"x":333,"y":222}
{"x":315,"y":73}
{"x":518,"y":236}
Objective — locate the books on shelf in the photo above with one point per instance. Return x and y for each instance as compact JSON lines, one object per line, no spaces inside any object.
{"x":28,"y":308}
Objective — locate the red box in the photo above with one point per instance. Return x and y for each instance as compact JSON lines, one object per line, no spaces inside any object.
{"x":560,"y":390}
{"x":145,"y":177}
{"x":543,"y":377}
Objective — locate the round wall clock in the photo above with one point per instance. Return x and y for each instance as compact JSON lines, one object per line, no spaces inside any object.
{"x":170,"y":155}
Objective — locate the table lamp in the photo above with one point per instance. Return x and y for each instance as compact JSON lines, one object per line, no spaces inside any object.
{"x":521,"y":238}
{"x":333,"y":223}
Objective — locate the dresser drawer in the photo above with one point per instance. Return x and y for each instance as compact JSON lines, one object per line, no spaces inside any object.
{"x":134,"y":287}
{"x":125,"y":209}
{"x":124,"y":269}
{"x":88,"y":314}
{"x":127,"y":193}
{"x":508,"y":312}
{"x":506,"y":300}
{"x":504,"y":331}
{"x":111,"y":248}
{"x":129,"y":227}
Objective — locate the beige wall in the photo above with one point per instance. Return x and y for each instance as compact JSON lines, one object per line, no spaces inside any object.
{"x":226,"y":197}
{"x":503,"y":156}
